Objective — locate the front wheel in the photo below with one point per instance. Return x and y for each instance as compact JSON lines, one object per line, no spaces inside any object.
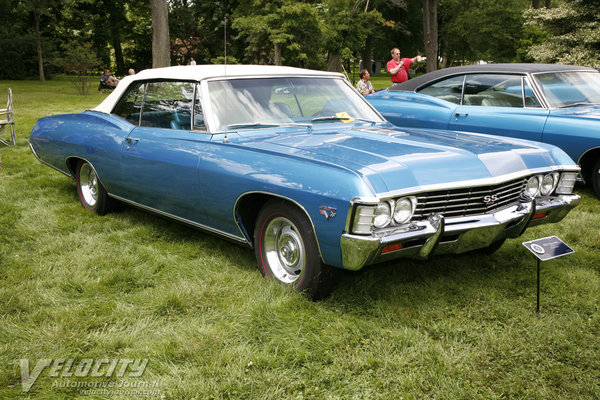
{"x":596,"y":178}
{"x":90,"y":190}
{"x":287,"y":252}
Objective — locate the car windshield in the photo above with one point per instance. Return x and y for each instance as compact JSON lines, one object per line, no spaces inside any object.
{"x":268,"y":102}
{"x":570,"y":89}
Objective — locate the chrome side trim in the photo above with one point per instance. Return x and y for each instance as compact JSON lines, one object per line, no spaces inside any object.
{"x":537,"y":92}
{"x":230,"y":236}
{"x":48,"y":164}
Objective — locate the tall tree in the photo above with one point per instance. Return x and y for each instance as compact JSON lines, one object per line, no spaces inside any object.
{"x":111,"y":27}
{"x":161,"y":44}
{"x":472,"y":30}
{"x":38,"y":40}
{"x":430,"y":33}
{"x":183,"y":29}
{"x":348,"y":23}
{"x":117,"y":22}
{"x":574,"y":33}
{"x":209,"y":17}
{"x":374,"y":31}
{"x":282,"y":29}
{"x":138,"y":49}
{"x":39,"y":9}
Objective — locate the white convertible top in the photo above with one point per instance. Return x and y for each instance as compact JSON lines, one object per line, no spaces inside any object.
{"x":200,"y":72}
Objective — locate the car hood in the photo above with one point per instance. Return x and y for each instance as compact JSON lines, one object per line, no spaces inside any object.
{"x":393,"y":159}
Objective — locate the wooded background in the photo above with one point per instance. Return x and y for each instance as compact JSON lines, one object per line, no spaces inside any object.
{"x":43,"y":37}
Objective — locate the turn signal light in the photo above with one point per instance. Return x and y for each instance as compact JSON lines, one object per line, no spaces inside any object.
{"x":392,"y":247}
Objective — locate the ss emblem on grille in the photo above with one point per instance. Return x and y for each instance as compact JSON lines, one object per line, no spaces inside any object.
{"x":490,"y":199}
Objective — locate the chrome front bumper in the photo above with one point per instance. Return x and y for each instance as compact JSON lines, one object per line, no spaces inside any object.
{"x":439,"y":235}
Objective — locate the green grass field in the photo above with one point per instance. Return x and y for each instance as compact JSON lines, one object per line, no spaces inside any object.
{"x":132,"y":285}
{"x":379,"y":81}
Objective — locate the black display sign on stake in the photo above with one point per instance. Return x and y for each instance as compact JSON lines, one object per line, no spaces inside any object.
{"x":545,"y":249}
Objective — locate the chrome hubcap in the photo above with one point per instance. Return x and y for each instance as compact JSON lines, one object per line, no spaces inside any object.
{"x":284,"y":250}
{"x":88,"y":183}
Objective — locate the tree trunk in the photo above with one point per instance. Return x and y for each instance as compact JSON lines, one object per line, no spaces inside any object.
{"x":548,"y":3}
{"x":334,"y":62}
{"x":119,"y":56}
{"x":161,"y":44}
{"x":277,"y":53}
{"x":366,"y":55}
{"x":38,"y":39}
{"x":535,"y":4}
{"x":430,"y":33}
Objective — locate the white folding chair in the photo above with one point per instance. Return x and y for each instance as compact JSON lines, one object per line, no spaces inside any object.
{"x":7,"y":120}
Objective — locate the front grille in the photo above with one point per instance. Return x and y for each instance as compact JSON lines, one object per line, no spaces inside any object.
{"x":469,"y":201}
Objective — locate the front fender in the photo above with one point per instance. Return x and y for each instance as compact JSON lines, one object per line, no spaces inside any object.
{"x":325,"y":200}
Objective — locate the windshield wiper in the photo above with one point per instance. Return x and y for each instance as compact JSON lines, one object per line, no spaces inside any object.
{"x":338,"y":118}
{"x":579,"y":104}
{"x":301,"y":124}
{"x":330,"y":118}
{"x":251,"y":125}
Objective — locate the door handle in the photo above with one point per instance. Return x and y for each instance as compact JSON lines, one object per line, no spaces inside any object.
{"x":131,"y":139}
{"x":458,"y":114}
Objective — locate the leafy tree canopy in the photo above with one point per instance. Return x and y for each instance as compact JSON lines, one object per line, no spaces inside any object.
{"x":573,"y":33}
{"x":307,"y":33}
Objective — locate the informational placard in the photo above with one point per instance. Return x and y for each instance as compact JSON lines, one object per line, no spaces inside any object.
{"x":548,"y":248}
{"x":545,"y":249}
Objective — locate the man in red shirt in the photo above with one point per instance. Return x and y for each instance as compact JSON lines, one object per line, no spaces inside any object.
{"x":398,"y":68}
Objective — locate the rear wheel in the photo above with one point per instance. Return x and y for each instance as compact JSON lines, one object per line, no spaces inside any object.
{"x":91,"y":192}
{"x":596,"y":178}
{"x":287,"y":252}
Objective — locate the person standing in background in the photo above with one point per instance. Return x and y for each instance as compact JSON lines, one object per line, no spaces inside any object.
{"x":398,"y":67}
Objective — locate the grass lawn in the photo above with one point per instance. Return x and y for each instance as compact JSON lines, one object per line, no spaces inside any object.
{"x":379,"y":81}
{"x":132,"y":285}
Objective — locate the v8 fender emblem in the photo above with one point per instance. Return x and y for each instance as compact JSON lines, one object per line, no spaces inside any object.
{"x":327,"y":212}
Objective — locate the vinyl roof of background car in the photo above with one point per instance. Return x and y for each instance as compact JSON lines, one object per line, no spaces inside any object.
{"x":418,"y":81}
{"x":200,"y":72}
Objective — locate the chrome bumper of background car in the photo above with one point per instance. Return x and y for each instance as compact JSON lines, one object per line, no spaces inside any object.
{"x":441,"y":235}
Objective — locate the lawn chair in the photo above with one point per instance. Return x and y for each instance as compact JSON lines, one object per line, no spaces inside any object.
{"x":102,"y":86}
{"x":7,"y":120}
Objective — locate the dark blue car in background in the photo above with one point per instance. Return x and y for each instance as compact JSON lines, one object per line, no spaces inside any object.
{"x":556,"y":104}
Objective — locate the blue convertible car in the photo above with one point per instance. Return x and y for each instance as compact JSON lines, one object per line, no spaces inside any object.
{"x":557,"y":104}
{"x":298,"y":166}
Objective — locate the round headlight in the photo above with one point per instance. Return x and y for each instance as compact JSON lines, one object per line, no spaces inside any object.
{"x":403,"y":211}
{"x":382,"y":215}
{"x":549,"y":183}
{"x":533,"y":186}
